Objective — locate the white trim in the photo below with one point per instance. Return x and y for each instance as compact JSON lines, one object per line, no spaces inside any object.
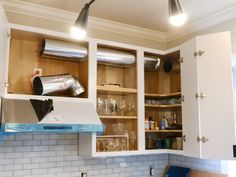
{"x":26,"y":8}
{"x":203,"y":23}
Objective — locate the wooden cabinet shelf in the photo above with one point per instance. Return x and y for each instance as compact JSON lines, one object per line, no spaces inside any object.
{"x":165,"y":95}
{"x":163,"y":131}
{"x":118,"y":117}
{"x":115,"y":90}
{"x":112,"y":136}
{"x":163,"y":106}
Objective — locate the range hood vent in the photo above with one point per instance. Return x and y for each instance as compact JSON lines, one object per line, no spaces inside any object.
{"x":49,"y":116}
{"x":65,"y":50}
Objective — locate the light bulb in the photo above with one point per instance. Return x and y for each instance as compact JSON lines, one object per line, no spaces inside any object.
{"x":77,"y":33}
{"x":178,"y":20}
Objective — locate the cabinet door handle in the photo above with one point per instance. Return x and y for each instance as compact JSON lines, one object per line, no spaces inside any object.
{"x":201,"y":95}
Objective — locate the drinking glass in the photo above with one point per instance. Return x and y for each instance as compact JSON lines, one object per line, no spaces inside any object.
{"x":114,"y":107}
{"x":122,"y":107}
{"x":100,"y":105}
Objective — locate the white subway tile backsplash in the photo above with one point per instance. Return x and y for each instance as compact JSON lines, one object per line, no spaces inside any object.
{"x":22,"y":160}
{"x":56,"y":155}
{"x":48,"y":165}
{"x":21,"y":172}
{"x":6,"y":173}
{"x":39,"y":171}
{"x":55,"y":170}
{"x":39,"y":159}
{"x":31,"y":166}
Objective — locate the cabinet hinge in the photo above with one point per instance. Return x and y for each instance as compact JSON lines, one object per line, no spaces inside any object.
{"x":201,"y":95}
{"x":203,"y":139}
{"x":6,"y":84}
{"x":184,"y":138}
{"x":181,"y":60}
{"x":199,"y":53}
{"x":234,"y":150}
{"x":182,"y":98}
{"x":9,"y":34}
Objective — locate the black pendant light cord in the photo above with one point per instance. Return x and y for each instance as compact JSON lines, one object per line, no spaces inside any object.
{"x":90,"y":2}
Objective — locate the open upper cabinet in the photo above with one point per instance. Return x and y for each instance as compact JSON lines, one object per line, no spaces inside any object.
{"x":44,"y":80}
{"x":163,"y":117}
{"x":194,"y":96}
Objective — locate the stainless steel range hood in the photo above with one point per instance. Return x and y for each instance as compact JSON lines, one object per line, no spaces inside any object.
{"x":48,"y":116}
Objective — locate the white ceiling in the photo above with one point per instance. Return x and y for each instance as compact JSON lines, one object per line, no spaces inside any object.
{"x":151,"y":14}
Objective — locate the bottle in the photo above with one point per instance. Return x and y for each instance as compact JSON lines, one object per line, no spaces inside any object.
{"x":165,"y":123}
{"x":174,"y":118}
{"x":162,"y":123}
{"x":146,"y":124}
{"x":149,"y":142}
{"x":151,"y":123}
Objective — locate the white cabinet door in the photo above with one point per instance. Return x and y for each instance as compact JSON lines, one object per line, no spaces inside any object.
{"x":189,"y":86}
{"x":209,"y":115}
{"x":216,"y":109}
{"x":3,"y":49}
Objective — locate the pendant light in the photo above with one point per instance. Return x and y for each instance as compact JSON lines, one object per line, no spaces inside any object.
{"x":177,"y":16}
{"x":79,"y":29}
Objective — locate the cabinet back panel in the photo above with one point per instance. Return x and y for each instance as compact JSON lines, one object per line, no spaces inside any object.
{"x":24,"y":57}
{"x":129,"y":99}
{"x":175,"y":83}
{"x":129,"y":125}
{"x":124,"y":76}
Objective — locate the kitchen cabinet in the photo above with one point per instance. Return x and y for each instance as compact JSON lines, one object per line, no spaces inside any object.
{"x":117,"y":98}
{"x":208,"y":112}
{"x":3,"y":49}
{"x":117,"y":103}
{"x":204,"y":82}
{"x":163,"y":118}
{"x":20,"y":58}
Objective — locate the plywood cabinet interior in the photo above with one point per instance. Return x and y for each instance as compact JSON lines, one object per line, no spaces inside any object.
{"x":162,"y":103}
{"x":24,"y":57}
{"x":117,"y":105}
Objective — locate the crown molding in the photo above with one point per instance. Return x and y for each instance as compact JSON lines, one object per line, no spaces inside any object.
{"x":35,"y":10}
{"x":53,"y":14}
{"x":203,"y":23}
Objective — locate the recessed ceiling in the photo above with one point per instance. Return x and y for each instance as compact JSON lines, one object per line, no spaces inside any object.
{"x":151,"y":14}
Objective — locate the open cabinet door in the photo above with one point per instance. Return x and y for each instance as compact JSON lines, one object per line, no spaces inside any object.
{"x":189,"y":85}
{"x":216,"y":107}
{"x":3,"y":50}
